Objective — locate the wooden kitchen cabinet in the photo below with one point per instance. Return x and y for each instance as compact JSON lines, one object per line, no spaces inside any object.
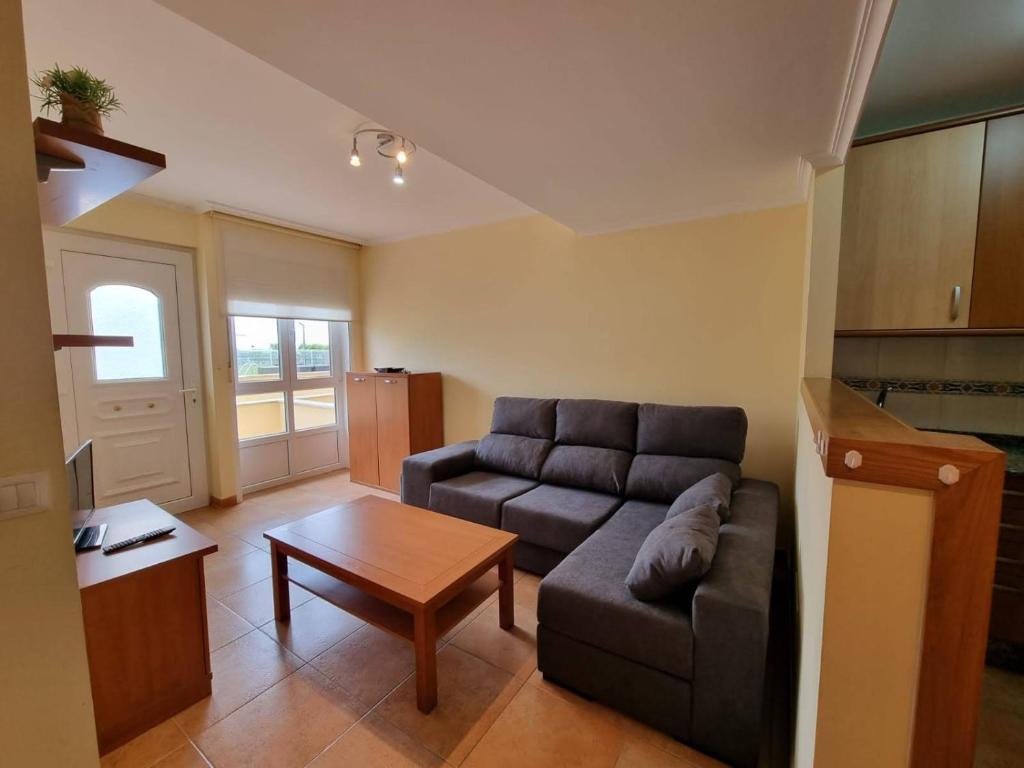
{"x":998,"y":293}
{"x":910,"y":215}
{"x":391,"y":416}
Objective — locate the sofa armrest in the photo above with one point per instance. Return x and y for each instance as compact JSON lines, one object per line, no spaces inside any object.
{"x":420,"y":470}
{"x":730,"y":627}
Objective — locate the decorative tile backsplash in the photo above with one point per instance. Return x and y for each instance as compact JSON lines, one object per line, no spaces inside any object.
{"x":938,"y":386}
{"x":963,"y":384}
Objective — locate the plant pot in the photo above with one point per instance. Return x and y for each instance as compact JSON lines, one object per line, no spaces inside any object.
{"x":77,"y":114}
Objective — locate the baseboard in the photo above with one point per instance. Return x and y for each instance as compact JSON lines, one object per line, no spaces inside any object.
{"x":230,"y":501}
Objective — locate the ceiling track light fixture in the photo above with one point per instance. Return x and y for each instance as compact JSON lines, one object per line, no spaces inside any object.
{"x":390,"y":145}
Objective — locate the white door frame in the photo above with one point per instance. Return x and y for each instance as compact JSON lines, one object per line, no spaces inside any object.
{"x":56,"y":241}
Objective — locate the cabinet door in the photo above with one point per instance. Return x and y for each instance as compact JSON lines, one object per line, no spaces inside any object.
{"x":910,"y":214}
{"x":392,"y":428}
{"x":998,"y":295}
{"x":362,"y":428}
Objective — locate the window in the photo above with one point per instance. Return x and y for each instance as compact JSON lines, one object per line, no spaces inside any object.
{"x":261,"y":415}
{"x":125,"y":310}
{"x":257,"y":349}
{"x":312,"y":349}
{"x":314,"y":408}
{"x":287,"y":374}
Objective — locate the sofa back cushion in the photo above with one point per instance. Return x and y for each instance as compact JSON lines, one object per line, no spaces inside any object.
{"x":706,"y":432}
{"x":582,"y":466}
{"x":597,"y":423}
{"x":678,"y":446}
{"x":663,"y":478}
{"x":512,"y":454}
{"x":525,"y":416}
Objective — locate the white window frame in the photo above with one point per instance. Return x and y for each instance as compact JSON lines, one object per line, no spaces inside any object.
{"x":289,"y":384}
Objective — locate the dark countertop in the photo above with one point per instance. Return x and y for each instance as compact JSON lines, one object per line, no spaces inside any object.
{"x":1011,"y":445}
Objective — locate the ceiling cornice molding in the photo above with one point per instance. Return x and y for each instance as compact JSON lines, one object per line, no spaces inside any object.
{"x":874,"y":22}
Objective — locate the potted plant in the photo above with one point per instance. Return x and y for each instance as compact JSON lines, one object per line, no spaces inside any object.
{"x":82,"y":97}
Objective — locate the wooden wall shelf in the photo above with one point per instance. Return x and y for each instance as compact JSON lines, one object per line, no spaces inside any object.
{"x":105,"y":168}
{"x":61,"y":340}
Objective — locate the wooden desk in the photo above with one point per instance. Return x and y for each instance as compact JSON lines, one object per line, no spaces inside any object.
{"x":144,"y":610}
{"x":411,"y":572}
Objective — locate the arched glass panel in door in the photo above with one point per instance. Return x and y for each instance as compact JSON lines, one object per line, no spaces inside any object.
{"x":127,"y":310}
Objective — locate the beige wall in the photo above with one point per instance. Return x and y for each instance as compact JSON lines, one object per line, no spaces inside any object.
{"x":142,"y":218}
{"x":812,"y":513}
{"x":821,"y":272}
{"x":705,"y":312}
{"x":45,"y":702}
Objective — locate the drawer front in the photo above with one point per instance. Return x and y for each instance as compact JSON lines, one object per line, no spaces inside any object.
{"x":1011,"y":542}
{"x":1007,"y":622}
{"x":1010,"y":573}
{"x":1013,"y":509}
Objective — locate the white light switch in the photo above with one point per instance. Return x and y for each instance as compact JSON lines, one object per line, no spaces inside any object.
{"x":8,"y":499}
{"x":24,"y":494}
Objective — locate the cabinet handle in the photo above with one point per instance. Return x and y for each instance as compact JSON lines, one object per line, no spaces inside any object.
{"x":389,"y":381}
{"x":954,"y":305}
{"x":359,"y":378}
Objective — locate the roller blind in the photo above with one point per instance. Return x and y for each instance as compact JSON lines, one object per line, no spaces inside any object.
{"x":271,"y":272}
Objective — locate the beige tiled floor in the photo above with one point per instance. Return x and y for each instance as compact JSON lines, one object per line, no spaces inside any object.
{"x":328,"y":690}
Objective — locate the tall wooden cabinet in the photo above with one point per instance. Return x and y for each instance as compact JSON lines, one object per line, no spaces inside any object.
{"x":391,"y":416}
{"x":999,"y":257}
{"x":910,"y":214}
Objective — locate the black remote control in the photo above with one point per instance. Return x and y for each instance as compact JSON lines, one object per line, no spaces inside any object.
{"x":117,"y":545}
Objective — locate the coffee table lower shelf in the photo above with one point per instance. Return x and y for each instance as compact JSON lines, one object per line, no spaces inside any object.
{"x":384,"y":615}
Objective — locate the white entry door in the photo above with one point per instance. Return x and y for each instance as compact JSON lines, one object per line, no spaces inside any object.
{"x":134,"y":402}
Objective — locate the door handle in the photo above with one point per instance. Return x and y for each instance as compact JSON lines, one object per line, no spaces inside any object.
{"x":190,"y":392}
{"x":954,"y":303}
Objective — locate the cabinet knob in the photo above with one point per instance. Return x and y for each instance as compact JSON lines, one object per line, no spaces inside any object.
{"x":954,"y":303}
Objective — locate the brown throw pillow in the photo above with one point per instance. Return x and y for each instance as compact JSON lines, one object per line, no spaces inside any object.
{"x":675,"y":553}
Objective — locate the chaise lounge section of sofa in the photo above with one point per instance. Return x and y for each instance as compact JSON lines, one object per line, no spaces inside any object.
{"x":583,"y":482}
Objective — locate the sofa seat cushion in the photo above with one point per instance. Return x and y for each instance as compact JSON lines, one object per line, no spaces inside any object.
{"x":557,"y":518}
{"x":579,"y":466}
{"x":663,"y":478}
{"x":585,"y":597}
{"x":477,"y":496}
{"x":512,"y":454}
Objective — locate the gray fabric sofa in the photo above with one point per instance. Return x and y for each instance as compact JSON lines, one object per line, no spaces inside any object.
{"x":583,"y":482}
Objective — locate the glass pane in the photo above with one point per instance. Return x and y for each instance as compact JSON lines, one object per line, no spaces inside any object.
{"x":125,"y":310}
{"x":257,"y":349}
{"x":260,"y":415}
{"x":312,"y":349}
{"x":314,"y":408}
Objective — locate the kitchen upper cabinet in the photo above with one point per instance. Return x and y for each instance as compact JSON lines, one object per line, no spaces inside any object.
{"x":910,"y":215}
{"x":999,"y":257}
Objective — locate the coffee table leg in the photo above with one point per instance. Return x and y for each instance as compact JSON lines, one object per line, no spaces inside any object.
{"x":506,"y":601}
{"x":279,"y":573}
{"x":426,"y":661}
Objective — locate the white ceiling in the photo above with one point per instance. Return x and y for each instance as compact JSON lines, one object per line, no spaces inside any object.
{"x":241,"y":134}
{"x":946,"y":58}
{"x":603,"y":114}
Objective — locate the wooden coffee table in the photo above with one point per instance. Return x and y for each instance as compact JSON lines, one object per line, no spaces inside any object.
{"x":409,"y":571}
